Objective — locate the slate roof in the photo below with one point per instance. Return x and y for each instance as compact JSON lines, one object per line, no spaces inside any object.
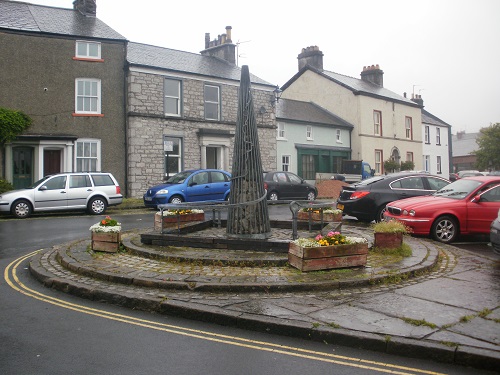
{"x":50,"y":20}
{"x":308,"y":112}
{"x":465,"y":145}
{"x":356,"y":85}
{"x":185,"y":62}
{"x":429,"y":118}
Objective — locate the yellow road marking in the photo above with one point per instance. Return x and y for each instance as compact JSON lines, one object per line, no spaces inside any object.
{"x":14,"y":282}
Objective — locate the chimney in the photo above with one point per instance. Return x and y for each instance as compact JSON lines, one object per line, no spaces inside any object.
{"x":311,"y":56}
{"x":417,"y":99}
{"x":85,"y":7}
{"x":373,"y":74}
{"x":222,"y":47}
{"x":460,"y":134}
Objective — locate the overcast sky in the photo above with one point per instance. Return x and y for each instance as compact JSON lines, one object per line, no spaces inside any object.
{"x":448,"y":51}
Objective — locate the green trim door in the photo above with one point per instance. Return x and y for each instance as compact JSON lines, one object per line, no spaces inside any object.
{"x":22,"y":167}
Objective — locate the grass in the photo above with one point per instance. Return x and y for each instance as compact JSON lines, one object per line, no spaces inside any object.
{"x":404,"y":250}
{"x":419,"y":322}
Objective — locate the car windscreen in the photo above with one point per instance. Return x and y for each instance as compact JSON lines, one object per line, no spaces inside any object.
{"x":458,"y":189}
{"x":179,"y":178}
{"x":35,"y":184}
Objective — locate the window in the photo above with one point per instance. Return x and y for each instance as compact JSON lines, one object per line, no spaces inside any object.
{"x":88,"y":152}
{"x":409,"y":183}
{"x":438,"y":164}
{"x":427,"y":135}
{"x":102,"y":180}
{"x":281,"y":130}
{"x":285,"y":163}
{"x":436,"y":183}
{"x":172,"y":147}
{"x":309,"y":133}
{"x":88,"y":50}
{"x":79,"y":181}
{"x":172,"y":101}
{"x":408,"y":128}
{"x":409,"y":156}
{"x":377,"y":123}
{"x":56,"y":183}
{"x":338,"y":136}
{"x":378,"y":161}
{"x":212,"y":98}
{"x":88,"y":96}
{"x":427,"y":163}
{"x":308,"y":169}
{"x":438,"y":136}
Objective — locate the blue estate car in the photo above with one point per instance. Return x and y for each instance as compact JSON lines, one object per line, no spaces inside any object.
{"x":190,"y":186}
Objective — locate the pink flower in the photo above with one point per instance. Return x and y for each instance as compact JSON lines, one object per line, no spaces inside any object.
{"x":331,"y":234}
{"x":318,"y":237}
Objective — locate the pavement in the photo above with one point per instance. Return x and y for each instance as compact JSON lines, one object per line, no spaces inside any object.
{"x":441,"y":303}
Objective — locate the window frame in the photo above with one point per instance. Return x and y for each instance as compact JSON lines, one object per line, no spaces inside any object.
{"x":379,"y":164}
{"x":309,"y":133}
{"x":281,"y":131}
{"x":97,"y":157}
{"x":285,"y":163}
{"x":178,"y":98}
{"x":439,"y":164}
{"x":87,"y":55}
{"x":427,"y":134}
{"x":338,"y":136}
{"x":97,"y":96}
{"x":438,"y":136}
{"x":179,"y":156}
{"x":409,"y":129}
{"x":427,"y":163}
{"x":377,"y":125}
{"x":207,"y":103}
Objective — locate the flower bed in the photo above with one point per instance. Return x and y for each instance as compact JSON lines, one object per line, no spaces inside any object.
{"x":106,"y":235}
{"x":172,"y":217}
{"x":328,"y":252}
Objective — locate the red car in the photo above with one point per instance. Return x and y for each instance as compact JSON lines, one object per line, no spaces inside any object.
{"x":466,"y":206}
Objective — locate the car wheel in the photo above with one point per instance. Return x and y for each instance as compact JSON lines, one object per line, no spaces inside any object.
{"x":97,"y":206}
{"x":176,"y":199}
{"x":311,"y":195}
{"x":21,"y":209}
{"x":380,"y":214}
{"x":445,"y":229}
{"x":273,"y":196}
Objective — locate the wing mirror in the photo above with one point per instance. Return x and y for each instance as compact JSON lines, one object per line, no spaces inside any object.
{"x":42,"y":188}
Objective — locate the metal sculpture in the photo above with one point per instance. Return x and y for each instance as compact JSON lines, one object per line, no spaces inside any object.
{"x":248,"y":216}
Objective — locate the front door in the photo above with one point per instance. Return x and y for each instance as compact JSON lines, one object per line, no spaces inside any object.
{"x":213,"y":157}
{"x":51,"y":162}
{"x":22,"y":160}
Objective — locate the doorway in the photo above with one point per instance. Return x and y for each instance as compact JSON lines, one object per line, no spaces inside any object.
{"x":22,"y":166}
{"x":213,"y":157}
{"x":51,"y":162}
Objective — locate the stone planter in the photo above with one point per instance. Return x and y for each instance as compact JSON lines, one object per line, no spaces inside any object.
{"x":327,"y":257}
{"x":172,"y":220}
{"x":315,"y":216}
{"x":388,"y":240}
{"x":106,"y":241}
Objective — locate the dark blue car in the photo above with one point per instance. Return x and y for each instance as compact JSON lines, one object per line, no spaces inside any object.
{"x":190,"y":186}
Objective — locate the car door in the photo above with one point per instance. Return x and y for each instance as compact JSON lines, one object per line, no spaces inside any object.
{"x":481,"y":213}
{"x":79,"y":188}
{"x":283,"y":186}
{"x":297,"y":189}
{"x":410,"y":186}
{"x":52,"y":194}
{"x":198,"y":187}
{"x":219,"y":184}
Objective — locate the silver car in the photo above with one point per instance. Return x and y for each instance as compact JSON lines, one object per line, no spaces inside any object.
{"x":91,"y":191}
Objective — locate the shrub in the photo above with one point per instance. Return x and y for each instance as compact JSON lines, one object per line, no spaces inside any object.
{"x":5,"y":186}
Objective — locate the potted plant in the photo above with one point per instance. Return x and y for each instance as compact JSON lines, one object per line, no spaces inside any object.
{"x":389,"y":234}
{"x":106,"y":235}
{"x":172,"y":217}
{"x":329,"y":214}
{"x":327,"y":252}
{"x":391,"y":165}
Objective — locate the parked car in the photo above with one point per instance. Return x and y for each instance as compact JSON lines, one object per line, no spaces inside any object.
{"x":495,"y":234}
{"x":469,"y":173}
{"x":466,"y":206}
{"x":453,"y":177}
{"x":92,"y":191}
{"x":287,"y":185}
{"x":367,"y":199}
{"x":197,"y":185}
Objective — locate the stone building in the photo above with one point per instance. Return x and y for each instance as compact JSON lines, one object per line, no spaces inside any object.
{"x":182,"y":110}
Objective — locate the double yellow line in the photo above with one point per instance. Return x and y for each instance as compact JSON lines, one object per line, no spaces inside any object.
{"x":10,"y":275}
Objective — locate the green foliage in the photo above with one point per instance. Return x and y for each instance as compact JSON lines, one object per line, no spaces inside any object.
{"x":407,"y":165}
{"x":488,"y":154}
{"x":12,"y":123}
{"x":391,"y":165}
{"x":391,"y":226}
{"x":5,"y":186}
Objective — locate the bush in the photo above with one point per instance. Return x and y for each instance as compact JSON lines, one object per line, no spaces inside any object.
{"x":5,"y":186}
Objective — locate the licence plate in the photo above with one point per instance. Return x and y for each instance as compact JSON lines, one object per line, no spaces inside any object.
{"x":340,"y":206}
{"x":148,"y":199}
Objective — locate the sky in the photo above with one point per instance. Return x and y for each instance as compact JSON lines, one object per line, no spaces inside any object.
{"x":447,"y":51}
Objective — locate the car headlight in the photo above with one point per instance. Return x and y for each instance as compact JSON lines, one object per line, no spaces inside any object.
{"x":162,"y":191}
{"x":409,"y":213}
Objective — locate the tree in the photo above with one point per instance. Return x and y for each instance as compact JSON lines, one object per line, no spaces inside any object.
{"x":12,"y":123}
{"x":407,"y":165}
{"x":488,"y":154}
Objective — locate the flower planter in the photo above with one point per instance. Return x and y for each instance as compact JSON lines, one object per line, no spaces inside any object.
{"x":315,"y":216}
{"x":106,"y":241}
{"x":172,"y":220}
{"x":388,"y":240}
{"x":327,"y":257}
